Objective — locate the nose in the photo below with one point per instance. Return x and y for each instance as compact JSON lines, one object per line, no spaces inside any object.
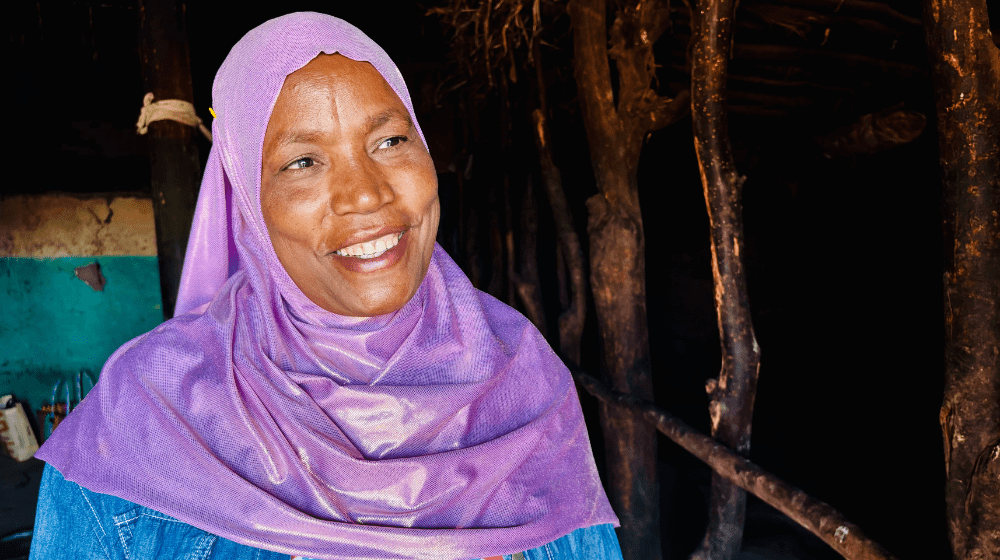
{"x":359,"y":187}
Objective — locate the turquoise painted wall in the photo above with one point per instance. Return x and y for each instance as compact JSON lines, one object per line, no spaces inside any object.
{"x":53,"y":325}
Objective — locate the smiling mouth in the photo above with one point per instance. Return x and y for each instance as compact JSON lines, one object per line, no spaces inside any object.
{"x":371,"y":249}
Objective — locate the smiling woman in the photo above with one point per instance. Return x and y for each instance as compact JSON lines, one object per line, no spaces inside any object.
{"x":348,"y":190}
{"x":333,"y":386}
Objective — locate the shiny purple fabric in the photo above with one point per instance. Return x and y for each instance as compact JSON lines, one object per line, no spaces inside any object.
{"x":448,"y":429}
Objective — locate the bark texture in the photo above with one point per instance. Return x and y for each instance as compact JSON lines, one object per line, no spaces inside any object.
{"x":174,"y":164}
{"x":615,"y":134}
{"x":819,"y":518}
{"x":732,"y":394}
{"x":966,"y":69}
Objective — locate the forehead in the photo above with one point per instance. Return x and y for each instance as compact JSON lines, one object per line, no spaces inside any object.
{"x":334,"y":76}
{"x":326,"y":94}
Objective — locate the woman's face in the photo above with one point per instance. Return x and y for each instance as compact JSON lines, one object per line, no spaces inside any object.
{"x":348,"y":191}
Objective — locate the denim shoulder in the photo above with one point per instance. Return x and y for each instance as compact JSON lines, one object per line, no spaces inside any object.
{"x":72,"y":522}
{"x":598,"y":542}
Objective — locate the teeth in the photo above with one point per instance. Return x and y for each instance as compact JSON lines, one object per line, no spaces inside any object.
{"x":371,"y":249}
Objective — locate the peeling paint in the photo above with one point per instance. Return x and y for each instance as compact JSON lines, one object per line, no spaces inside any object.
{"x":91,"y":275}
{"x":55,"y":226}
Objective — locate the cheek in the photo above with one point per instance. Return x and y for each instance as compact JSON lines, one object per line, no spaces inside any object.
{"x":435,"y":215}
{"x":428,"y":188}
{"x":290,"y":213}
{"x":270,"y":211}
{"x":432,"y":208}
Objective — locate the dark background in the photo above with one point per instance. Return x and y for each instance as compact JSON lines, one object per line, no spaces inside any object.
{"x":843,"y":255}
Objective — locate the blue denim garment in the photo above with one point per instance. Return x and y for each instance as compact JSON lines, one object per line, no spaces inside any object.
{"x":73,"y":523}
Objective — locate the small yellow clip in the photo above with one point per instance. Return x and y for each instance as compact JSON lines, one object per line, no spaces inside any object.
{"x":211,"y":110}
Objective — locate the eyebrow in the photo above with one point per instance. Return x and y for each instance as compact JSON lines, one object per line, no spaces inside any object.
{"x":298,"y":137}
{"x":382,"y":118}
{"x":372,"y":123}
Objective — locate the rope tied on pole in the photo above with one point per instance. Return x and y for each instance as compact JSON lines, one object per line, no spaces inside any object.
{"x":169,"y":109}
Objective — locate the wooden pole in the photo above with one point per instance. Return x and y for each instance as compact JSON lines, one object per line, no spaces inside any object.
{"x":615,"y":135}
{"x":732,"y":395}
{"x":173,"y":155}
{"x":618,"y":282}
{"x":965,"y":65}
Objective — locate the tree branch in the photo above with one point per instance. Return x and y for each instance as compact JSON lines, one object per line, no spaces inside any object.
{"x":665,"y":111}
{"x":593,"y":75}
{"x":814,"y":515}
{"x":635,"y":30}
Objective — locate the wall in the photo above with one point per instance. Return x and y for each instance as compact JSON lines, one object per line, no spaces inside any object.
{"x":54,"y":323}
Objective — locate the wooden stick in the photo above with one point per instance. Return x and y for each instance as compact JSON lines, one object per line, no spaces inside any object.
{"x":816,"y":516}
{"x":732,"y":395}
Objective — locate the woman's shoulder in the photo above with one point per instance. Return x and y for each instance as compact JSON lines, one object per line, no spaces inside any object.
{"x":74,"y":522}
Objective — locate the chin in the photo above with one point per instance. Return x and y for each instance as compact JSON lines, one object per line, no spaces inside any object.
{"x":374,"y":306}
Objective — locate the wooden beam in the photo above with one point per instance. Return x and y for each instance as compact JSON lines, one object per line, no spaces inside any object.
{"x":814,"y":515}
{"x":173,"y":154}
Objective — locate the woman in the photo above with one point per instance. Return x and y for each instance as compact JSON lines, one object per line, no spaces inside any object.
{"x":333,"y":386}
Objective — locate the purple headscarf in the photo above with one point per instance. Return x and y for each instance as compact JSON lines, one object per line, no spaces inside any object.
{"x":445,"y":430}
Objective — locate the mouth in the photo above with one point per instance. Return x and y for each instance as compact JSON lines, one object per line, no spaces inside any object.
{"x":373,"y":255}
{"x":371,"y":249}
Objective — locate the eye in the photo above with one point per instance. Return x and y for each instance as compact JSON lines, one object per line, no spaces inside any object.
{"x":391,"y":142}
{"x":301,"y":163}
